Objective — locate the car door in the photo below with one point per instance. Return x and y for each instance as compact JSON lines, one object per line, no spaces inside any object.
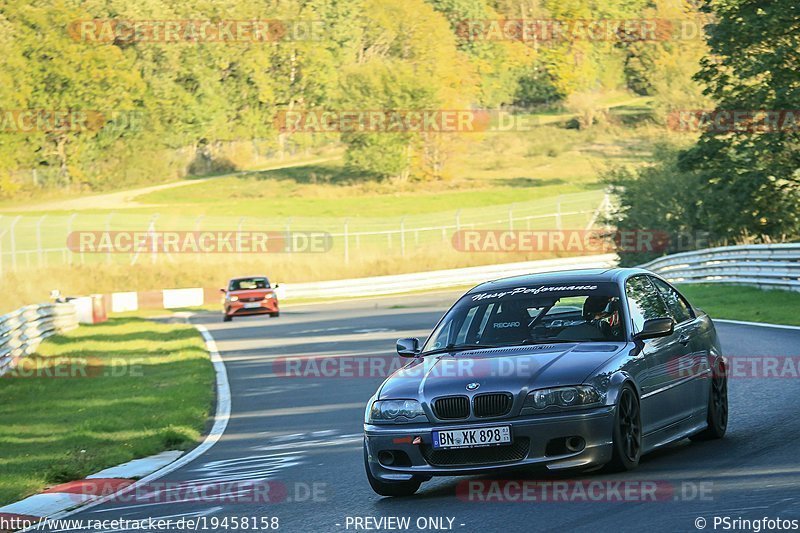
{"x":693,"y":361}
{"x":662,"y":402}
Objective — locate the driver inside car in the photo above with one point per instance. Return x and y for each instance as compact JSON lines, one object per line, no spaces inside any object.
{"x":601,"y":321}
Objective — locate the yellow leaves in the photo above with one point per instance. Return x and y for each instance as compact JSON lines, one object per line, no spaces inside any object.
{"x":7,"y":185}
{"x":411,"y":32}
{"x":572,"y":67}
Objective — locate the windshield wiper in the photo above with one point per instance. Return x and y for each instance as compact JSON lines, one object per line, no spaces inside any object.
{"x":456,"y":348}
{"x":543,"y":341}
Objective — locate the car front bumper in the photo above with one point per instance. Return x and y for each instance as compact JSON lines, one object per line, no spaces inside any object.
{"x":267,"y":305}
{"x":529,"y":448}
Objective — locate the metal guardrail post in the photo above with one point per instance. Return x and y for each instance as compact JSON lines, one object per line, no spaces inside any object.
{"x":22,"y":331}
{"x":14,"y":244}
{"x":69,"y":252}
{"x":346,"y":243}
{"x":402,"y":237}
{"x":1,"y":252}
{"x":108,"y":232}
{"x":39,"y":246}
{"x":774,"y":266}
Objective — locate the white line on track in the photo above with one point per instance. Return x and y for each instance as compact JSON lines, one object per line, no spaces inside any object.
{"x":221,"y":418}
{"x":760,"y":324}
{"x":173,"y":517}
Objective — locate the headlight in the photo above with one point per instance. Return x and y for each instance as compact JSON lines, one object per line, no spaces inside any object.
{"x":268,"y":296}
{"x":234,"y":298}
{"x":387,"y":410}
{"x":578,"y":396}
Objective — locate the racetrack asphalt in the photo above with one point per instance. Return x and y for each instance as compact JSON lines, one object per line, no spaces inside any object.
{"x":304,"y":435}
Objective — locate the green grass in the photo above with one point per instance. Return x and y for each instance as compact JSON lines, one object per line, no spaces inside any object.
{"x":540,"y":160}
{"x":498,"y":169}
{"x":751,"y":304}
{"x":525,"y":175}
{"x":137,"y":388}
{"x":485,"y":170}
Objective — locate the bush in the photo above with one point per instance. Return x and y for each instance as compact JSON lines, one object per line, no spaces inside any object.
{"x":656,"y":198}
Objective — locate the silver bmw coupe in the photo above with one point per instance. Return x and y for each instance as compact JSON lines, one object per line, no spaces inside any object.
{"x":564,"y":370}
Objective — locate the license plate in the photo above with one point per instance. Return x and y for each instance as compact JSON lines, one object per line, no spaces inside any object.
{"x":472,"y":438}
{"x":252,"y":305}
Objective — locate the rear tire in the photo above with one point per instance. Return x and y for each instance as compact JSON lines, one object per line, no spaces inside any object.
{"x":394,"y":488}
{"x":627,"y":436}
{"x":717,"y":405}
{"x":227,"y":318}
{"x":276,"y":314}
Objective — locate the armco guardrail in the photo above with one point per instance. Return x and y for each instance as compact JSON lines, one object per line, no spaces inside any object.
{"x":439,"y":279}
{"x":22,"y":330}
{"x":774,"y":266}
{"x":360,"y":287}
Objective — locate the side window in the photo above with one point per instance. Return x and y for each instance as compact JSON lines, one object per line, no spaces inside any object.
{"x":441,"y":338}
{"x":678,"y":307}
{"x":644,"y":301}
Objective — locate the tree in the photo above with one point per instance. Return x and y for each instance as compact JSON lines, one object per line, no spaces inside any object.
{"x":407,"y":61}
{"x":64,"y":75}
{"x":732,"y":185}
{"x":753,"y":65}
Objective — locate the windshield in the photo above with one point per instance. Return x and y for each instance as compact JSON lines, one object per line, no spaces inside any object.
{"x":583,"y":312}
{"x":249,"y":284}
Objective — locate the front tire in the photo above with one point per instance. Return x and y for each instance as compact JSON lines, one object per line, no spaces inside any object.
{"x":394,"y":488}
{"x":717,"y":406}
{"x":627,"y":436}
{"x":227,"y":318}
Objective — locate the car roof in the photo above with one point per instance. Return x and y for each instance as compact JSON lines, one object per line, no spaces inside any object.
{"x":585,"y":275}
{"x":248,"y":277}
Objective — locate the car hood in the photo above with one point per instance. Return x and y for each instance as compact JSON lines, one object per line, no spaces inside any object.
{"x":513,"y":369}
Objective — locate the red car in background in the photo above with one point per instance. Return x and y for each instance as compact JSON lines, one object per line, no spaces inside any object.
{"x":252,"y":295}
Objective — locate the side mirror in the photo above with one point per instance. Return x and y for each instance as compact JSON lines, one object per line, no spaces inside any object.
{"x":223,"y":291}
{"x":408,"y":347}
{"x":656,"y":327}
{"x":275,"y":286}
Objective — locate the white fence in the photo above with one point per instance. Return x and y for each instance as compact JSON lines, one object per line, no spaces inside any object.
{"x":775,"y":266}
{"x":22,"y":330}
{"x":365,"y":287}
{"x":763,"y":265}
{"x":28,"y":242}
{"x":439,"y":279}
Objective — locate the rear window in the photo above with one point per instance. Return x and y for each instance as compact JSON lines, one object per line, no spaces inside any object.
{"x":580,"y":312}
{"x":249,"y":284}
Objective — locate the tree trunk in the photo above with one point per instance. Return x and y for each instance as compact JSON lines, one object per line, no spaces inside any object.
{"x":61,"y":154}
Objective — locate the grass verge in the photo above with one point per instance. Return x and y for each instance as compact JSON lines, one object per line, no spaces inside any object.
{"x":100,"y":396}
{"x":751,"y":304}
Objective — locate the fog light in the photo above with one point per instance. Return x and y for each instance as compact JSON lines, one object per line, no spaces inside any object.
{"x":575,"y":444}
{"x":386,"y":458}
